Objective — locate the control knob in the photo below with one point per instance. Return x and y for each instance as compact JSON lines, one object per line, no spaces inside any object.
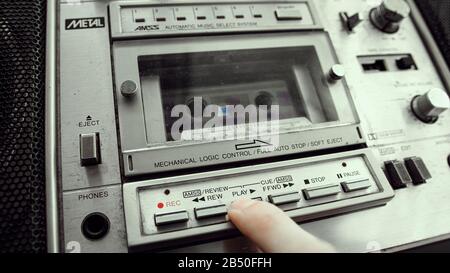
{"x":389,"y":14}
{"x":429,"y":106}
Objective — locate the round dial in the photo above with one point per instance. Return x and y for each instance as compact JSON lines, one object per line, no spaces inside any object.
{"x":429,"y":106}
{"x":389,"y":14}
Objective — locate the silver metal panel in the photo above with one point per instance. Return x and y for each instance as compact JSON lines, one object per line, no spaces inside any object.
{"x":86,"y":106}
{"x":180,"y":18}
{"x":81,"y":203}
{"x":383,"y":99}
{"x":417,"y":215}
{"x":144,"y":199}
{"x":86,"y":99}
{"x":141,"y":157}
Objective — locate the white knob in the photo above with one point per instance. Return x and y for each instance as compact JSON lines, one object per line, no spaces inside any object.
{"x":336,"y":73}
{"x":428,"y":107}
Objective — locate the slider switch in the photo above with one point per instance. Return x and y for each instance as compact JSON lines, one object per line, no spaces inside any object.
{"x":350,"y":22}
{"x":397,"y":174}
{"x":418,"y":170}
{"x":406,"y":63}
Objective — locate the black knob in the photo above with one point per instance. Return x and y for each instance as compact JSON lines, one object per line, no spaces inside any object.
{"x":95,"y":226}
{"x":389,"y":14}
{"x":264,"y":99}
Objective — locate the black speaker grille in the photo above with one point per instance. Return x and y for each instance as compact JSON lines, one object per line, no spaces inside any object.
{"x":437,"y":16}
{"x":22,"y":126}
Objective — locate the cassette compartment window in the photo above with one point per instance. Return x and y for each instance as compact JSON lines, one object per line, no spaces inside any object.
{"x":288,"y":77}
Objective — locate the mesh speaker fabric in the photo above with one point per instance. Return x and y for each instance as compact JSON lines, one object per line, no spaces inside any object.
{"x":22,"y":126}
{"x":437,"y":16}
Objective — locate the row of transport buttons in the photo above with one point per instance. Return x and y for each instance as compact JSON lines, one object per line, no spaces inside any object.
{"x":217,"y":12}
{"x":281,"y":199}
{"x":320,"y":192}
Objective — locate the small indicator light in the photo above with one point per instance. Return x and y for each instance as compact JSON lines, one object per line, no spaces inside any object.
{"x":160,"y":205}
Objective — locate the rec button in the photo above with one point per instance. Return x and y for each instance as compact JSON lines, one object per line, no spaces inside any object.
{"x":171,"y":218}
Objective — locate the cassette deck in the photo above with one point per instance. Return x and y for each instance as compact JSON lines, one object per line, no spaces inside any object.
{"x":190,"y":105}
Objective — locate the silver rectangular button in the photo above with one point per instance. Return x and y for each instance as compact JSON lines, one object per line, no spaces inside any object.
{"x":321,"y":192}
{"x":288,"y":14}
{"x":171,"y":218}
{"x":282,"y":199}
{"x":356,"y":185}
{"x":90,"y":149}
{"x":202,"y":213}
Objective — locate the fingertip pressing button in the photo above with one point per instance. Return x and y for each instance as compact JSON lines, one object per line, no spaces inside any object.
{"x":282,"y":199}
{"x":208,"y":212}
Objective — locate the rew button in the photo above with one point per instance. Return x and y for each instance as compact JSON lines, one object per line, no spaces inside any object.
{"x":202,"y":213}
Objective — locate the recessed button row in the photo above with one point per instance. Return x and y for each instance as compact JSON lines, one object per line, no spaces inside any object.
{"x":218,"y":12}
{"x":277,"y":199}
{"x":412,"y":170}
{"x":320,"y":192}
{"x":183,"y":216}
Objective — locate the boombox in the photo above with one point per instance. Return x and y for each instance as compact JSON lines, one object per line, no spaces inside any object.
{"x":131,"y":126}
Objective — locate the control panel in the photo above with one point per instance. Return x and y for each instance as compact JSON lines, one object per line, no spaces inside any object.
{"x":291,"y":188}
{"x":134,"y":19}
{"x":359,"y":84}
{"x":175,"y":208}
